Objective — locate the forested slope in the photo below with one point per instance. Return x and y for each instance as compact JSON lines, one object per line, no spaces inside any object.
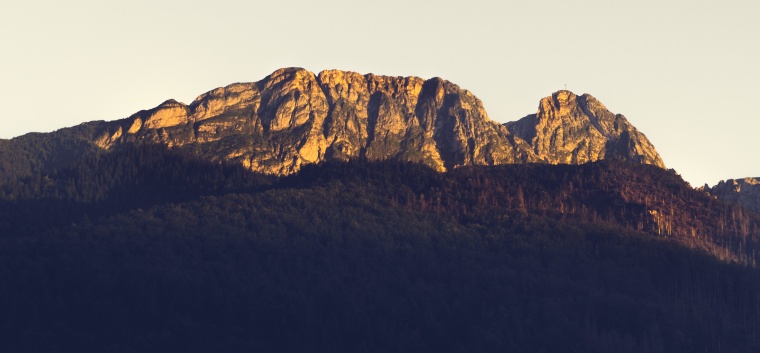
{"x":150,"y":250}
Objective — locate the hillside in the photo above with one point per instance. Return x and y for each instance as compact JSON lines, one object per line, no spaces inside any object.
{"x":147,"y":249}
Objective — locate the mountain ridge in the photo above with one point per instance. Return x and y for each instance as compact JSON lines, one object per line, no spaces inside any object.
{"x":294,"y":117}
{"x":301,"y":210}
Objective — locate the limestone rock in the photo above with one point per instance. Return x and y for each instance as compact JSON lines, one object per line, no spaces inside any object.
{"x":294,"y":117}
{"x":169,"y":113}
{"x":570,"y":129}
{"x":745,"y":192}
{"x":235,"y":97}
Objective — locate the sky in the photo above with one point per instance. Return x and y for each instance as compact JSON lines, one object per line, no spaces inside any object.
{"x":685,"y":73}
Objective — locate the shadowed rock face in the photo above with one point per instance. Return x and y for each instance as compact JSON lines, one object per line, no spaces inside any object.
{"x":294,"y":117}
{"x":570,"y":129}
{"x":745,"y":192}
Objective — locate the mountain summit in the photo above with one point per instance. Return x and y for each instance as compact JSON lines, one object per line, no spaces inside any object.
{"x":294,"y":117}
{"x":571,"y":129}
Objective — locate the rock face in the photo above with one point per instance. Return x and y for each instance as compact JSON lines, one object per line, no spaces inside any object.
{"x":570,"y":129}
{"x":294,"y":117}
{"x":745,"y":192}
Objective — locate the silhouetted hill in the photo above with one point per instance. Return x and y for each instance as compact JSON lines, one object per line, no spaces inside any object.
{"x":44,"y":153}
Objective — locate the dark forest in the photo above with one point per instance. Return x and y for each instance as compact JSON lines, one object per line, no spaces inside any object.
{"x":148,"y":249}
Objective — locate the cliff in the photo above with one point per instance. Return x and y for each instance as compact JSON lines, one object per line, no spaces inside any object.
{"x":294,"y":117}
{"x":571,"y":129}
{"x":745,"y":192}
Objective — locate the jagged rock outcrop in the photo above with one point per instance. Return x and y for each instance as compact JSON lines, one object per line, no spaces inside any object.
{"x":294,"y":117}
{"x":571,"y":129}
{"x":745,"y":192}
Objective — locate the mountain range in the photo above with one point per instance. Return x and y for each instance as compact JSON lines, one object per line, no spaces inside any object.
{"x":293,"y":117}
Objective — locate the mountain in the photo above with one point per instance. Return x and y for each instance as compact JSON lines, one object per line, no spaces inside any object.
{"x":345,"y":212}
{"x":745,"y":192}
{"x":571,"y":129}
{"x":293,"y":117}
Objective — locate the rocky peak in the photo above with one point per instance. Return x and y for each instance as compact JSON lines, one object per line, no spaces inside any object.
{"x":571,"y":129}
{"x":236,"y":96}
{"x":745,"y":192}
{"x":168,"y":113}
{"x":559,"y":104}
{"x":293,"y":117}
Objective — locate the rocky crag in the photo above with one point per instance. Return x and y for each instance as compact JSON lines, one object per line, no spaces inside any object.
{"x":745,"y":192}
{"x":294,"y":117}
{"x":571,"y":129}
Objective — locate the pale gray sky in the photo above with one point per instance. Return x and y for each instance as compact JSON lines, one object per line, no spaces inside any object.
{"x":686,"y":73}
